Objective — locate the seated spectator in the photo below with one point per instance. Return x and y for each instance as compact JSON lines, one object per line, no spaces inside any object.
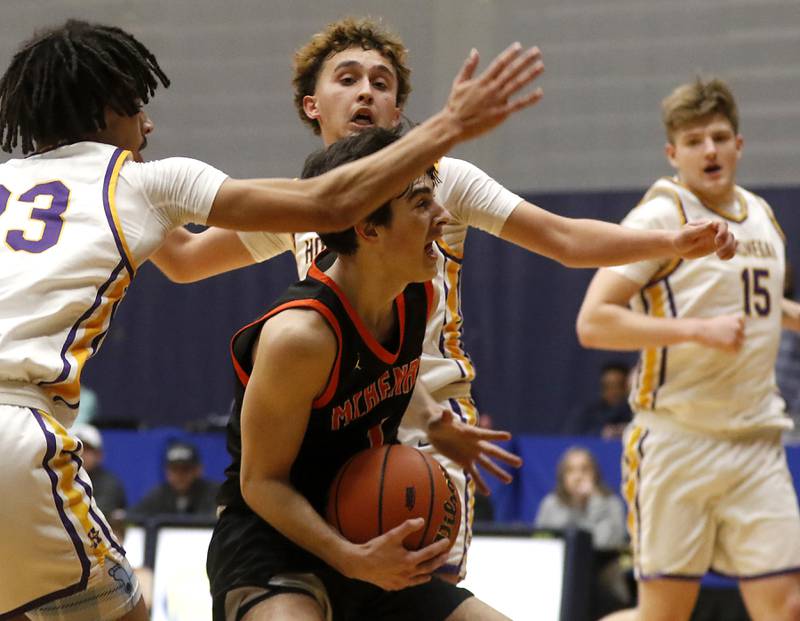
{"x":582,"y":500}
{"x":608,"y":416}
{"x":185,"y":490}
{"x":109,"y":493}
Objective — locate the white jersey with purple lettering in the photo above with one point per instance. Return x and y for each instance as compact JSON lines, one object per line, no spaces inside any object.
{"x":75,"y":223}
{"x":473,"y":199}
{"x":689,"y":385}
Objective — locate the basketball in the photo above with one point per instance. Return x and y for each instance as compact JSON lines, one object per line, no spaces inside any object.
{"x":380,"y":488}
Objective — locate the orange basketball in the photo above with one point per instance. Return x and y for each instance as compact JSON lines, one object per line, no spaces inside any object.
{"x":380,"y":488}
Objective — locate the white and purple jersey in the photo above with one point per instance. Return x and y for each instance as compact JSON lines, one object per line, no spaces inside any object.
{"x":75,"y":224}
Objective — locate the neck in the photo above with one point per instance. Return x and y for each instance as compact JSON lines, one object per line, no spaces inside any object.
{"x":369,"y":290}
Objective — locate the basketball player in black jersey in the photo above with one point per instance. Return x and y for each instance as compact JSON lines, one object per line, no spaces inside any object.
{"x":326,"y":372}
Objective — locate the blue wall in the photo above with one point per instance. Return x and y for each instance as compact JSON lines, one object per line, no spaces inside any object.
{"x":136,"y":457}
{"x":166,"y":362}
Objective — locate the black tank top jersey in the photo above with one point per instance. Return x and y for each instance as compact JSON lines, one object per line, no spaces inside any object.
{"x":367,"y":392}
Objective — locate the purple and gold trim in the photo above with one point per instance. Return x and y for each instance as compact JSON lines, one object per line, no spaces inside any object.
{"x":450,"y":336}
{"x":51,"y":454}
{"x":110,"y":207}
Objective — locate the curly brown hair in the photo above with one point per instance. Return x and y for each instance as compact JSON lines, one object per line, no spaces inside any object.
{"x":341,"y":35}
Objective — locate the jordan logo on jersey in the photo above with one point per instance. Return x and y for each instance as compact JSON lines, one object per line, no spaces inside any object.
{"x":400,"y":381}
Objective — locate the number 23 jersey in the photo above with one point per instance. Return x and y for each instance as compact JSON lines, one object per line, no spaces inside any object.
{"x":75,"y":223}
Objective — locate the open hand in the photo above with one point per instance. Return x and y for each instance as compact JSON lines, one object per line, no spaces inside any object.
{"x":469,"y":446}
{"x":479,"y":104}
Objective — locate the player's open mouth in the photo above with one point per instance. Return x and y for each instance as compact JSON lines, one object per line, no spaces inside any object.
{"x":362,"y":118}
{"x":430,"y":251}
{"x":712,"y":169}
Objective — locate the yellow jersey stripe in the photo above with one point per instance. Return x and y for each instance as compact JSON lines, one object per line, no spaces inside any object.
{"x":652,"y":356}
{"x":112,"y":202}
{"x":81,"y":349}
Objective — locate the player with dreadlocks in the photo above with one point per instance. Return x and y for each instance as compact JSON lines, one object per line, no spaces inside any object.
{"x":77,"y":217}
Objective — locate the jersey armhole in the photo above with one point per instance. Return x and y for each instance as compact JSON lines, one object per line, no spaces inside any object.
{"x":333,"y":378}
{"x":668,"y":268}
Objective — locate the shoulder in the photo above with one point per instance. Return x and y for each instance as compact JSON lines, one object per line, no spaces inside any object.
{"x":299,"y":333}
{"x":662,"y":205}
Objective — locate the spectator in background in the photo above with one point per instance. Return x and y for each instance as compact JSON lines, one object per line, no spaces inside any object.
{"x":109,"y":493}
{"x":787,"y":365}
{"x":608,"y":416}
{"x":582,"y":500}
{"x":185,"y":490}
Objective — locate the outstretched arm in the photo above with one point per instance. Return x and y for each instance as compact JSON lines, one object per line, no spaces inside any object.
{"x":606,"y":322}
{"x":338,"y":199}
{"x":593,"y":243}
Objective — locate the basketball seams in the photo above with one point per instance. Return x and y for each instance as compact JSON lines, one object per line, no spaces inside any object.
{"x":430,"y":499}
{"x":380,"y":487}
{"x":339,"y":479}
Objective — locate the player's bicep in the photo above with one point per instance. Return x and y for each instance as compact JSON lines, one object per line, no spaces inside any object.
{"x":292,"y":363}
{"x":609,"y":287}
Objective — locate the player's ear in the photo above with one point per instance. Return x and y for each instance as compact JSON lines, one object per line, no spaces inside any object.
{"x":310,"y":107}
{"x":366,"y":231}
{"x":669,"y":151}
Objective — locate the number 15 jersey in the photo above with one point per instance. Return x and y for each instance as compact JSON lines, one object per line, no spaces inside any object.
{"x":691,"y":385}
{"x":75,"y":223}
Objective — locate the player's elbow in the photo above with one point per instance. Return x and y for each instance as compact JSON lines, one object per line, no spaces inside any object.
{"x":588,"y":330}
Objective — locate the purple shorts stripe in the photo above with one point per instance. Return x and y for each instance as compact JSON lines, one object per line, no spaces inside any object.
{"x":98,"y":518}
{"x":769,"y":574}
{"x":68,"y":526}
{"x":682,"y":577}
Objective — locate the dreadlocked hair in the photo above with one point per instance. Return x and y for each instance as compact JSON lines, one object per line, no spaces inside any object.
{"x":61,"y":81}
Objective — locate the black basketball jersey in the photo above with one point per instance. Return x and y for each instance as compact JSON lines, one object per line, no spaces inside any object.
{"x":367,"y":393}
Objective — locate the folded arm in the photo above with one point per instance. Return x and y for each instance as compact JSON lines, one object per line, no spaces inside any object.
{"x":606,"y":322}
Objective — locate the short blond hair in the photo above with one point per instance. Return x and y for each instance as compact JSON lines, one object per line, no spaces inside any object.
{"x":697,"y":100}
{"x":337,"y":37}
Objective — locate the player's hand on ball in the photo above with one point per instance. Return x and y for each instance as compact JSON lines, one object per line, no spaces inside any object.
{"x":697,"y":239}
{"x":385,"y":562}
{"x":470,"y":446}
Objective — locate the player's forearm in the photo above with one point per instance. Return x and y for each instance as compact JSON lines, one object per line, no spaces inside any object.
{"x":790,"y":314}
{"x":361,"y":187}
{"x":614,"y":327}
{"x":339,"y":198}
{"x":289,"y":512}
{"x":581,"y":242}
{"x":593,"y":243}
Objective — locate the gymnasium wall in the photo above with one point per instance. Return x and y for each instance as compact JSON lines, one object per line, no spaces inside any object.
{"x":589,"y":149}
